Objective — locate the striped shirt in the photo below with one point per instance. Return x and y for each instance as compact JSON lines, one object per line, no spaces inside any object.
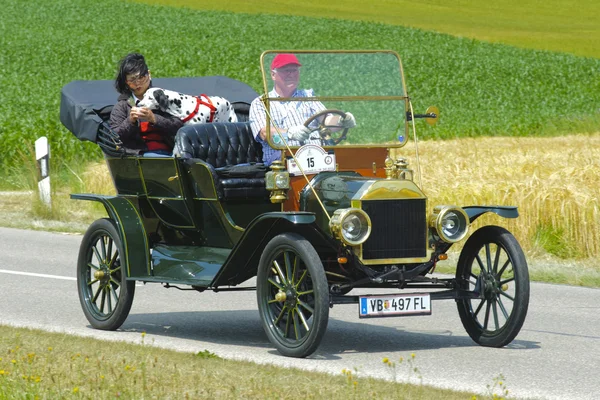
{"x":284,"y":115}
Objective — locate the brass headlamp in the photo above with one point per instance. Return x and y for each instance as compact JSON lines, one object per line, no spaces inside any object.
{"x":277,"y":181}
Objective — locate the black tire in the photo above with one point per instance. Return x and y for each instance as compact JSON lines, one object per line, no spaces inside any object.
{"x":493,"y":263}
{"x":104,"y":293}
{"x":289,"y":265}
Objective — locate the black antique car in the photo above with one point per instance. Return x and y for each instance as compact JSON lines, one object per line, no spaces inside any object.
{"x":344,"y":211}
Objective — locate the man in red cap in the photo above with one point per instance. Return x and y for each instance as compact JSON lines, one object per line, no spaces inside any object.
{"x":286,"y":117}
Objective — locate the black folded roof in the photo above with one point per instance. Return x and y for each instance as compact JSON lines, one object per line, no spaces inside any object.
{"x":84,"y":105}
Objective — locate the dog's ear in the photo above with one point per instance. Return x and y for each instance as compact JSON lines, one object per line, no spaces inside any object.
{"x":162,"y":99}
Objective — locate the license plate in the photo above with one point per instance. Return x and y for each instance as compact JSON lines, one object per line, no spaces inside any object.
{"x":394,"y":305}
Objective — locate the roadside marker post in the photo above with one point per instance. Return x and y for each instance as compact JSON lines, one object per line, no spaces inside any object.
{"x":42,"y":154}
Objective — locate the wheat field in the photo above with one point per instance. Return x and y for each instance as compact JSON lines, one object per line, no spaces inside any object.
{"x":555,"y":182}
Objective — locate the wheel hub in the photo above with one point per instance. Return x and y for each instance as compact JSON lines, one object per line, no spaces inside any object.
{"x":491,"y":287}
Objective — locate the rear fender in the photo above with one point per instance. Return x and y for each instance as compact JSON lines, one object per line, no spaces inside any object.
{"x":475,"y":212}
{"x":242,"y":263}
{"x":131,"y":232}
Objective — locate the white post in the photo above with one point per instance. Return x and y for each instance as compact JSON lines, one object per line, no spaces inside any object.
{"x":42,"y":154}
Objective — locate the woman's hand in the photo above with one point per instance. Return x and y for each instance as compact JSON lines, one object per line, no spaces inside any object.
{"x":141,"y":114}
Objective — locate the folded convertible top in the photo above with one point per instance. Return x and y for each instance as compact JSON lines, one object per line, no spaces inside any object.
{"x":84,"y":105}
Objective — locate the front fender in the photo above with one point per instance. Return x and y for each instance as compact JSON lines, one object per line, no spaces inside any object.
{"x":131,"y":231}
{"x":242,"y":263}
{"x":504,"y":211}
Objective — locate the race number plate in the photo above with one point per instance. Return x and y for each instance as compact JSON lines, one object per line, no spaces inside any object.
{"x":312,"y":159}
{"x":394,"y":305}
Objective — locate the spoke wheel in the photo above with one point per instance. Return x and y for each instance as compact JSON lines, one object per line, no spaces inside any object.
{"x":104,"y":293}
{"x":293,"y":295}
{"x":493,"y":264}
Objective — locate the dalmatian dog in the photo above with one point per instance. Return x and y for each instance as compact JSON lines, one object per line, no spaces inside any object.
{"x":190,"y":109}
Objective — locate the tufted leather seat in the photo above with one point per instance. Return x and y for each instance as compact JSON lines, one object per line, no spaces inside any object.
{"x":230,"y":152}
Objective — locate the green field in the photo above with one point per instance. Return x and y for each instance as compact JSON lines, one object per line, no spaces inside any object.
{"x":480,"y":88}
{"x":555,"y":25}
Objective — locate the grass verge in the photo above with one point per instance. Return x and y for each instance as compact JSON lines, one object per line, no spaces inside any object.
{"x":39,"y":365}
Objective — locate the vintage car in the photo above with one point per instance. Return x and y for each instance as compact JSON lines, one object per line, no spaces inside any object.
{"x":344,"y":211}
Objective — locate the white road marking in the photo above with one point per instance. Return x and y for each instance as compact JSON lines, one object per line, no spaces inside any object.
{"x":67,"y":278}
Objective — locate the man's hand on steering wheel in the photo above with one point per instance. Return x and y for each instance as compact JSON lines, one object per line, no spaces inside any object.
{"x":348,"y":121}
{"x":331,"y":134}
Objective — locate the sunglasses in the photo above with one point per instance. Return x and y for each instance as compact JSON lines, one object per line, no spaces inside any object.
{"x":137,"y":79}
{"x":285,"y":71}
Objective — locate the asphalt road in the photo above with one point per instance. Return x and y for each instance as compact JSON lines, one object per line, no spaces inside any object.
{"x":556,"y":355}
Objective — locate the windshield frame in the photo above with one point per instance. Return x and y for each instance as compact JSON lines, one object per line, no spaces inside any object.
{"x":268,"y":86}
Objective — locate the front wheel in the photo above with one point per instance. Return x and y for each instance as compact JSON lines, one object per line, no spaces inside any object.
{"x":493,"y":265}
{"x":104,"y":293}
{"x":293,"y":295}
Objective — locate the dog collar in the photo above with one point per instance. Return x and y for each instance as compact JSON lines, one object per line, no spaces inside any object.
{"x":200,"y":101}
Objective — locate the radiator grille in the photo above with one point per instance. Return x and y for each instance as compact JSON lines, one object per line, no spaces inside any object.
{"x":398,"y":229}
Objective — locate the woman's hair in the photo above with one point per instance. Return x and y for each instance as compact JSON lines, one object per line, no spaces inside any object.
{"x":132,"y":63}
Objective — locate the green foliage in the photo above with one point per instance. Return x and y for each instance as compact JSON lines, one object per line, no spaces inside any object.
{"x":480,"y":88}
{"x":554,"y":241}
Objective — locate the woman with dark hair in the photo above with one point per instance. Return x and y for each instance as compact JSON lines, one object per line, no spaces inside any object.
{"x":149,"y":132}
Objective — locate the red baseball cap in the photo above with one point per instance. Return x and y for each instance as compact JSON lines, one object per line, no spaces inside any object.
{"x":281,"y":60}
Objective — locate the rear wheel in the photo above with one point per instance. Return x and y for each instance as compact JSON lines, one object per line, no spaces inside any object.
{"x":104,"y":293}
{"x":493,"y":264}
{"x":293,"y":295}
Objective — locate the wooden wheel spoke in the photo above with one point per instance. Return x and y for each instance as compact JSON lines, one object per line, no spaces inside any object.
{"x":301,"y":278}
{"x":109,"y":299}
{"x":306,"y":292}
{"x":495,"y":313}
{"x":95,"y":298}
{"x":103,"y":240}
{"x":487,"y":315}
{"x":110,"y":247}
{"x":306,"y":307}
{"x":479,"y":307}
{"x":277,"y":285}
{"x":92,"y":282}
{"x":280,"y":315}
{"x":279,"y":272}
{"x":488,"y":258}
{"x":497,"y":259}
{"x":502,"y":308}
{"x":98,"y":257}
{"x":92,"y":266}
{"x":288,"y":323}
{"x":288,"y":267}
{"x":506,"y":264}
{"x":294,"y":269}
{"x":113,"y":260}
{"x":102,"y":299}
{"x":303,"y":319}
{"x":296,"y":324}
{"x":503,"y":293}
{"x":481,"y":266}
{"x":507,"y":281}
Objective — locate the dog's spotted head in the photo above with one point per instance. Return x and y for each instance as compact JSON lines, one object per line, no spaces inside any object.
{"x":154,"y":99}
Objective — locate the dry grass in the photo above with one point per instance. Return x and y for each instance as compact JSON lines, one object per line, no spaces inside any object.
{"x":554,"y":181}
{"x":41,"y":365}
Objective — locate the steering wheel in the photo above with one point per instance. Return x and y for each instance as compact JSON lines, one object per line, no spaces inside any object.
{"x":327,"y":135}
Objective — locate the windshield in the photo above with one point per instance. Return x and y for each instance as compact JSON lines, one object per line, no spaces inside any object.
{"x":367,"y":84}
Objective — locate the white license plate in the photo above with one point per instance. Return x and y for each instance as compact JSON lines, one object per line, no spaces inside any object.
{"x":394,"y":305}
